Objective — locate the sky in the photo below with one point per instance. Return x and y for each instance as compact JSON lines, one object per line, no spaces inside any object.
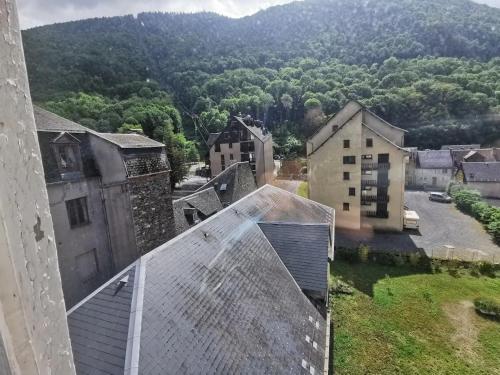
{"x":42,"y":12}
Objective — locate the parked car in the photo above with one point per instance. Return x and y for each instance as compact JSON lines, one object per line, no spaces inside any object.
{"x":440,"y":197}
{"x":411,"y":220}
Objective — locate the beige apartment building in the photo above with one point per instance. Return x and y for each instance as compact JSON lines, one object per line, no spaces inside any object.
{"x":356,"y":164}
{"x":243,"y":140}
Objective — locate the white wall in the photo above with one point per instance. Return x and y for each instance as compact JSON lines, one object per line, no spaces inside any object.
{"x":34,"y":335}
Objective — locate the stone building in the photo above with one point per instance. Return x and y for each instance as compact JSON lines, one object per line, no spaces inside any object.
{"x":483,"y":177}
{"x":430,"y":169}
{"x":356,"y":164}
{"x":243,"y":140}
{"x":109,"y":197}
{"x":232,"y":184}
{"x":243,"y":292}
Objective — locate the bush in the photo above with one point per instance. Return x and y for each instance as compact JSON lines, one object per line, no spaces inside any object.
{"x":487,"y":307}
{"x":464,"y":199}
{"x":363,"y":253}
{"x":414,"y":259}
{"x":486,"y":268}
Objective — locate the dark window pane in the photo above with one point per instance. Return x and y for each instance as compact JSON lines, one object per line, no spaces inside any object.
{"x":347,"y":176}
{"x":346,"y":206}
{"x":349,"y":159}
{"x":352,"y":191}
{"x":347,"y":143}
{"x":369,"y":142}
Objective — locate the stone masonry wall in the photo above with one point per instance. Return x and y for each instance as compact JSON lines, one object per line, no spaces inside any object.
{"x":146,"y":164}
{"x":152,"y":211}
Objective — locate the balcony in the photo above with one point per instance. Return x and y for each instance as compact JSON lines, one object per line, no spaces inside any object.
{"x":365,"y":166}
{"x":368,"y":183}
{"x":375,"y":214}
{"x":375,"y":198}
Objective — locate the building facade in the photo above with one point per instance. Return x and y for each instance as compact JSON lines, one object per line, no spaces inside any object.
{"x":430,"y":169}
{"x":109,"y":196}
{"x":483,"y":177}
{"x":356,"y":164}
{"x":243,"y":140}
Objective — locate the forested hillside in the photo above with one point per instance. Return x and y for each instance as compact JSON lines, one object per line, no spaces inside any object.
{"x":432,"y":67}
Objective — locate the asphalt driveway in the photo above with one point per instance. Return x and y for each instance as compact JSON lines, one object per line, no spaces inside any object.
{"x":444,"y":232}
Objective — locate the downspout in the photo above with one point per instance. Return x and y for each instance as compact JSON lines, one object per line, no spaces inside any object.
{"x":106,"y":222}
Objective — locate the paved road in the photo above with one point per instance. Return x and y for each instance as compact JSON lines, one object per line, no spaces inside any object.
{"x":289,"y":185}
{"x":444,"y":232}
{"x":442,"y":225}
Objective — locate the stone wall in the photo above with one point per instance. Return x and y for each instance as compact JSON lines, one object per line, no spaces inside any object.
{"x":152,"y":211}
{"x":138,"y":165}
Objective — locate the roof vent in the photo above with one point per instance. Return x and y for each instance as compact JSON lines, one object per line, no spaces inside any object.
{"x":312,"y":370}
{"x":120,"y":285}
{"x":304,"y":364}
{"x":223,"y":187}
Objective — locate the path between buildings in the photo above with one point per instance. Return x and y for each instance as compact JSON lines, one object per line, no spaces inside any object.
{"x":289,"y":185}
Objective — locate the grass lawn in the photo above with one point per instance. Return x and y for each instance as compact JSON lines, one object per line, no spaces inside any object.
{"x":401,"y":322}
{"x":303,"y":190}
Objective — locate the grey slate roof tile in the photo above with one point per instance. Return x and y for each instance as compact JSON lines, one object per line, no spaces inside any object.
{"x":434,"y":159}
{"x":216,"y":300}
{"x":481,"y":171}
{"x":304,"y":251}
{"x":50,"y":122}
{"x":239,"y":181}
{"x":98,"y":329}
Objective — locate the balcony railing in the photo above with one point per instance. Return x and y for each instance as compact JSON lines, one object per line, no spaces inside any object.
{"x":375,"y":214}
{"x":375,"y":198}
{"x":368,"y":183}
{"x":374,"y":165}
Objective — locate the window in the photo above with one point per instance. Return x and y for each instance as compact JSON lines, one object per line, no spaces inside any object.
{"x":345,"y":206}
{"x":230,"y":144}
{"x":445,"y":170}
{"x":369,"y":142}
{"x":367,"y":157}
{"x":367,"y":172}
{"x":349,"y":159}
{"x":352,"y":192}
{"x":347,"y":143}
{"x":87,"y":266}
{"x":78,"y":213}
{"x":217,"y":147}
{"x":347,"y":175}
{"x":231,"y":157}
{"x":68,"y":157}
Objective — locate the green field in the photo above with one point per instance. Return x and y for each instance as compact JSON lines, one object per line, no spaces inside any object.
{"x":399,"y":321}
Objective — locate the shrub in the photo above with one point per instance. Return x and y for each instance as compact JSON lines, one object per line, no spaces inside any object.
{"x":464,"y":199}
{"x":487,"y":307}
{"x":494,"y":229}
{"x":363,"y":253}
{"x":486,"y":268}
{"x":436,"y":266}
{"x":414,"y":259}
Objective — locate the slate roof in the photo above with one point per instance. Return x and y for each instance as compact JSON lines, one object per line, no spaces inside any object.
{"x":212,"y":138}
{"x":434,"y":159}
{"x":302,"y":250}
{"x":50,"y":122}
{"x":130,"y":140}
{"x":259,"y":132}
{"x":205,"y":201}
{"x":238,"y":179}
{"x":481,"y":171}
{"x":218,"y":298}
{"x":461,"y":147}
{"x":99,"y":327}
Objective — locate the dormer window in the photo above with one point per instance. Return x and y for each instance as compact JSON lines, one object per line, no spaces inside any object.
{"x":67,"y":152}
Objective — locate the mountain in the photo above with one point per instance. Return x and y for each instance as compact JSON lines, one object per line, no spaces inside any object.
{"x":98,"y":54}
